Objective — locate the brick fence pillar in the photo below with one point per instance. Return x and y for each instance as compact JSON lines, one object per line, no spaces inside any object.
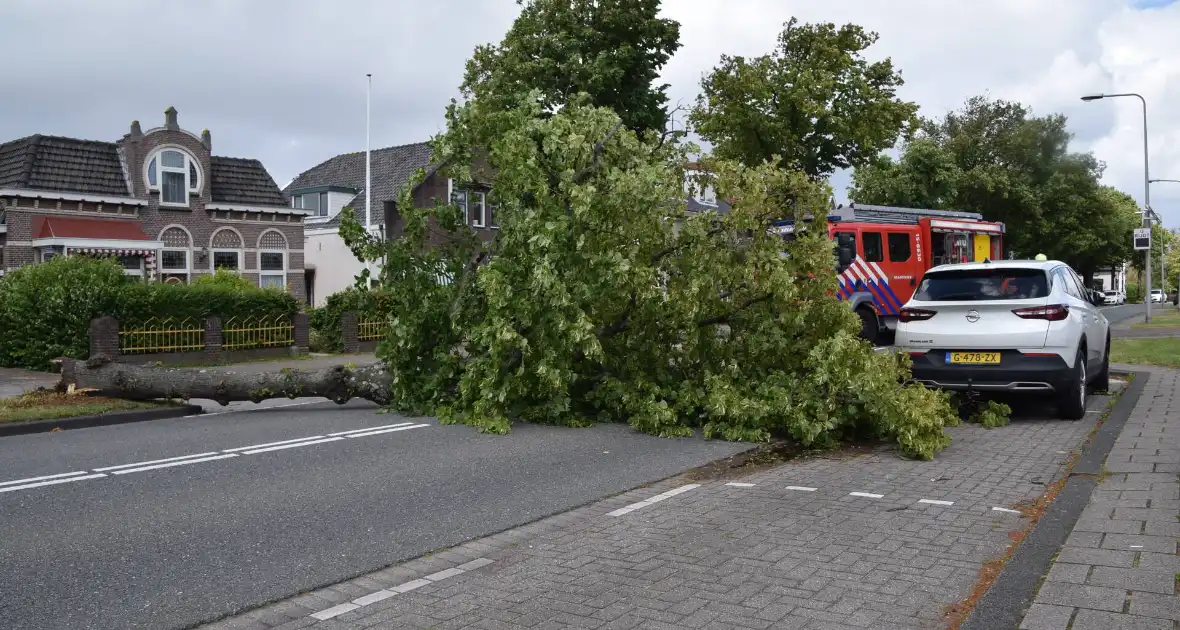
{"x":302,"y":333}
{"x":104,"y":336}
{"x":349,"y":332}
{"x":213,"y":335}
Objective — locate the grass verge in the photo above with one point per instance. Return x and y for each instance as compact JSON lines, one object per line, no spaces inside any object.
{"x":1165,"y":317}
{"x":1163,"y":351}
{"x":51,"y":405}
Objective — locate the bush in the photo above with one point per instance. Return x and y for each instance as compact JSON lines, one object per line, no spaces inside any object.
{"x":325,"y":320}
{"x":46,"y":309}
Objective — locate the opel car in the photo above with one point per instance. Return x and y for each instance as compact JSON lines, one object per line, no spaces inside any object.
{"x":1008,"y":326}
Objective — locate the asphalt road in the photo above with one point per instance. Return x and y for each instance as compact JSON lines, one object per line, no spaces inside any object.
{"x":1116,"y":314}
{"x":158,"y":545}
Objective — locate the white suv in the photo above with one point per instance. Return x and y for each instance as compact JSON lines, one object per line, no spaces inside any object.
{"x":1007,"y":326}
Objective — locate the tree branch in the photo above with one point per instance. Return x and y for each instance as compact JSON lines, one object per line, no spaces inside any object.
{"x":724,"y":319}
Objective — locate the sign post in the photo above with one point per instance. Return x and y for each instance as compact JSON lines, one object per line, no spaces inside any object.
{"x":1142,"y":240}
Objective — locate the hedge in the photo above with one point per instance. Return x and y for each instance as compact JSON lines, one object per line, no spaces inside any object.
{"x":46,"y":309}
{"x":325,"y":320}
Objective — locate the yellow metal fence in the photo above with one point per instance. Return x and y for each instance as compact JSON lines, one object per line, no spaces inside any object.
{"x":245,"y":333}
{"x":370,"y":328}
{"x":163,"y":334}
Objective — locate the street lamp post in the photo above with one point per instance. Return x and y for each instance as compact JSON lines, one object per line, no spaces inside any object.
{"x":1146,"y":192}
{"x":1173,"y":181}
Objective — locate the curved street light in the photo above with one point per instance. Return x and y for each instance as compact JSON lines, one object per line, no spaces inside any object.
{"x":1146,"y":193}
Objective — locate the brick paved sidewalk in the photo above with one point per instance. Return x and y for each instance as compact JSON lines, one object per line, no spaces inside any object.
{"x":872,"y":541}
{"x":1119,"y":567}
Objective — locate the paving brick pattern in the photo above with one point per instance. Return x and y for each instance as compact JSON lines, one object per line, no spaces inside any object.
{"x":1119,"y":568}
{"x":762,"y":556}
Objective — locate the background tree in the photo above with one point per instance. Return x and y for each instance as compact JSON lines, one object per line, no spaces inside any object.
{"x":996,"y":158}
{"x":814,"y":102}
{"x":610,"y":50}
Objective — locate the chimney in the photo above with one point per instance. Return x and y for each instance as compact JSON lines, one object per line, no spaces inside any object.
{"x":170,"y":119}
{"x":207,"y":140}
{"x":136,"y":131}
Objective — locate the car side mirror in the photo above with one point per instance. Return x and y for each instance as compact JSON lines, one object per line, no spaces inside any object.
{"x":844,"y":257}
{"x":1097,"y":299}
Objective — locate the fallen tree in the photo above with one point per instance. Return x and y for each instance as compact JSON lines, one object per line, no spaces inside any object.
{"x":339,"y":383}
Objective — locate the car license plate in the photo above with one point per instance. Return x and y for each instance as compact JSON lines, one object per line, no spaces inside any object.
{"x":973,"y":358}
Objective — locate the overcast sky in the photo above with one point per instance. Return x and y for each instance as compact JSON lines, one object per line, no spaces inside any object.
{"x":284,"y":80}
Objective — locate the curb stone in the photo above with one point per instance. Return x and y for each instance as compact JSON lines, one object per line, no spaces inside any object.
{"x":107,"y":419}
{"x":1005,"y":604}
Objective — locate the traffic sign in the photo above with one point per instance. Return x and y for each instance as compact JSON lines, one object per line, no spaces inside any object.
{"x":1143,"y":238}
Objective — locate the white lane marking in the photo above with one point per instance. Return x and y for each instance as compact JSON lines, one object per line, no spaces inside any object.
{"x":295,"y":445}
{"x":171,"y":464}
{"x":659,"y":497}
{"x":32,"y":479}
{"x":404,"y":587}
{"x":246,"y":448}
{"x":738,"y":484}
{"x":416,"y":426}
{"x":52,"y":482}
{"x":334,"y":611}
{"x":222,"y":413}
{"x":801,"y":488}
{"x":373,"y":598}
{"x":384,"y":426}
{"x":867,"y":495}
{"x":1136,"y":546}
{"x":444,"y":574}
{"x":935,"y":502}
{"x":155,"y":461}
{"x":1000,"y":509}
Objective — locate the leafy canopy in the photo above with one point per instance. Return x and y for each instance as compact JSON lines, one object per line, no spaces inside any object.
{"x":602,"y":299}
{"x":814,"y":104}
{"x":611,"y":50}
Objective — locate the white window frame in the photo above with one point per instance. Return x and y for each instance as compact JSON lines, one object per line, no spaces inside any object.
{"x":480,"y":220}
{"x":45,"y":255}
{"x":323,"y":198}
{"x":138,"y":273}
{"x":154,"y":165}
{"x":187,"y":272}
{"x":241,"y":252}
{"x":286,"y":259}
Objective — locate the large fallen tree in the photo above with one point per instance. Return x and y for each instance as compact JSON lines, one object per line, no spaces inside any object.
{"x":340,"y":383}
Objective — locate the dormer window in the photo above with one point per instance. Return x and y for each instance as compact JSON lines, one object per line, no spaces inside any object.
{"x":175,"y":175}
{"x":707,"y":196}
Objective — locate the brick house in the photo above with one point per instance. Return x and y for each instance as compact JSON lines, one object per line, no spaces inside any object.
{"x":159,"y":200}
{"x":337,"y":185}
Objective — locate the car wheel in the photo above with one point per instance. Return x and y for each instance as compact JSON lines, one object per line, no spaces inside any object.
{"x":1102,"y":379}
{"x":870,"y":328}
{"x":1071,"y":403}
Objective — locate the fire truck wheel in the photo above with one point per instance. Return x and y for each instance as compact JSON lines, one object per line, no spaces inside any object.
{"x":870,"y":328}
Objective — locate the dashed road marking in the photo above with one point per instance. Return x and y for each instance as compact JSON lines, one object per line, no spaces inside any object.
{"x":155,"y":461}
{"x":33,"y":479}
{"x":404,"y":587}
{"x":802,"y":488}
{"x":52,"y":482}
{"x":867,"y":495}
{"x":1000,"y":509}
{"x":659,"y":497}
{"x":935,"y":502}
{"x":286,"y":446}
{"x":196,"y":458}
{"x":738,"y":484}
{"x":185,"y":462}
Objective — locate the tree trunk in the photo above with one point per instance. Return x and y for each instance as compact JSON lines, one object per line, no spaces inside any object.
{"x":133,"y":382}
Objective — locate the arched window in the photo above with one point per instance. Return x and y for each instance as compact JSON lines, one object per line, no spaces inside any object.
{"x":175,"y":174}
{"x":176,"y":257}
{"x":227,"y":250}
{"x":272,"y":260}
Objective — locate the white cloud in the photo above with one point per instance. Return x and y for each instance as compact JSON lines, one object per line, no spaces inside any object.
{"x":283,"y":80}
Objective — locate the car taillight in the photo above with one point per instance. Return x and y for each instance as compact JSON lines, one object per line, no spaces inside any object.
{"x":914,"y":315}
{"x":1053,"y":313}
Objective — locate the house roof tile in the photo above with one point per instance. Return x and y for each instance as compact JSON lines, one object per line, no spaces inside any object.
{"x":94,"y":167}
{"x":244,"y":181}
{"x":73,"y":227}
{"x":392,"y":169}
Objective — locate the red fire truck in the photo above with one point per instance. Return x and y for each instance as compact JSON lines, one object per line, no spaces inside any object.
{"x":883,"y":251}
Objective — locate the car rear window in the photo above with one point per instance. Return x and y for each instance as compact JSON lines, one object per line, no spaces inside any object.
{"x":982,"y":284}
